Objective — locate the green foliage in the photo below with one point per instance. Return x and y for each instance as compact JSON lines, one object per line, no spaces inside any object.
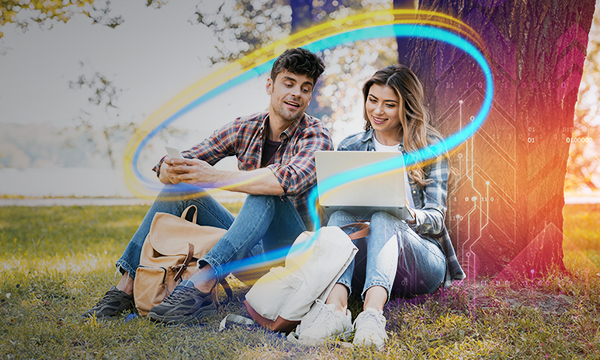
{"x":40,"y":303}
{"x":39,"y":11}
{"x":44,"y":12}
{"x":244,"y":26}
{"x":104,"y":94}
{"x":241,"y":27}
{"x":340,"y":98}
{"x":113,"y":132}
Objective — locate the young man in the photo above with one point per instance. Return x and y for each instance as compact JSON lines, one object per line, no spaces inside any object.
{"x":275,"y":152}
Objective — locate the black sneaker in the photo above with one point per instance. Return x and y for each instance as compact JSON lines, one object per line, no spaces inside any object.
{"x":111,"y":304}
{"x":185,"y":305}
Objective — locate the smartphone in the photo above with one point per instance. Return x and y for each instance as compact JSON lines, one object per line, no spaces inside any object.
{"x":173,"y":153}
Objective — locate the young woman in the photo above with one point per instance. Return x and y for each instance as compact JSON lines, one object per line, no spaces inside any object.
{"x":403,"y":258}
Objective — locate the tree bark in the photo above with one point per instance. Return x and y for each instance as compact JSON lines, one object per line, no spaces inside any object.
{"x":505,"y":207}
{"x":302,"y":14}
{"x":403,"y":41}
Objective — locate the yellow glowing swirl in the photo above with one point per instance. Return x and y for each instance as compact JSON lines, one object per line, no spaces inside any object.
{"x":270,"y":52}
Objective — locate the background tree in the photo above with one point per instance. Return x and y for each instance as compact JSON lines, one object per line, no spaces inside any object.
{"x":24,"y":13}
{"x":105,"y":94}
{"x":243,"y":26}
{"x":110,"y":135}
{"x":509,"y":194}
{"x":45,"y":13}
{"x":348,"y":65}
{"x":583,"y":172}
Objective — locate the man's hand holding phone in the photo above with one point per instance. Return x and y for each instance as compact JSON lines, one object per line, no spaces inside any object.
{"x":178,"y":169}
{"x":173,"y":152}
{"x":166,"y":173}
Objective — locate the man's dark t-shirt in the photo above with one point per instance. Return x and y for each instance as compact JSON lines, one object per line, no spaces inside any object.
{"x":269,"y":149}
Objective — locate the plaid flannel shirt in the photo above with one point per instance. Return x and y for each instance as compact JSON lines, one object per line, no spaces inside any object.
{"x":294,"y":162}
{"x":430,"y":202}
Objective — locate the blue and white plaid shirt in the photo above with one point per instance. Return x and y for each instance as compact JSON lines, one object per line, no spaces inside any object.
{"x":430,"y":202}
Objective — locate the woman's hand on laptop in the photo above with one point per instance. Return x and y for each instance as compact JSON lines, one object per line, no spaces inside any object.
{"x":412,"y":214}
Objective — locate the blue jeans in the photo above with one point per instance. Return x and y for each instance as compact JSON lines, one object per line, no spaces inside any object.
{"x":390,"y":252}
{"x":272,"y":219}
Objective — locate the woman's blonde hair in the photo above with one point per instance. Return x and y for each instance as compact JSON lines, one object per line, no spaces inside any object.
{"x":416,"y":132}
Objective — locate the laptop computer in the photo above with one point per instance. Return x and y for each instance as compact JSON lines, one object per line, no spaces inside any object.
{"x":365,"y":196}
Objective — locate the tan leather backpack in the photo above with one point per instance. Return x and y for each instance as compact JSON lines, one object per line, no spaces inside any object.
{"x":170,"y":254}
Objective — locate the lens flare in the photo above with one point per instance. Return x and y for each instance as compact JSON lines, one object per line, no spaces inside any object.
{"x":396,"y":23}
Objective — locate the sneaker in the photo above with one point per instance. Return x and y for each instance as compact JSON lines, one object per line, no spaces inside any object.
{"x":370,"y":329}
{"x":323,"y":323}
{"x":111,"y":304}
{"x":185,"y":305}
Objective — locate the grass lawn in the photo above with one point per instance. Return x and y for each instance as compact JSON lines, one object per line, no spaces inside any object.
{"x":56,"y":262}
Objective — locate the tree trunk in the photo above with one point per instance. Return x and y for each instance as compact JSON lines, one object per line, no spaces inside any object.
{"x":403,"y":41}
{"x":302,"y":14}
{"x":505,"y":207}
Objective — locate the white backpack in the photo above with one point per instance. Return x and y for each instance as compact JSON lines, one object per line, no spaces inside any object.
{"x":280,"y":299}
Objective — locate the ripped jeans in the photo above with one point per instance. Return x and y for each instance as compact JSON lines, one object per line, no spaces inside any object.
{"x":392,"y":256}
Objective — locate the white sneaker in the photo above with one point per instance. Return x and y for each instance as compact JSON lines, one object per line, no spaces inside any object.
{"x":370,"y":329}
{"x":323,"y":323}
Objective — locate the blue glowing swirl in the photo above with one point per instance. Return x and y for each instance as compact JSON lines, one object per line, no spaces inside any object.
{"x":390,"y":30}
{"x":420,"y":155}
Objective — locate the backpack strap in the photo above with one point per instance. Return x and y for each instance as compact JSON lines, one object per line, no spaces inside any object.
{"x":215,"y":292}
{"x":363,"y":232}
{"x":194,"y":217}
{"x":227,"y":289}
{"x":181,"y":267}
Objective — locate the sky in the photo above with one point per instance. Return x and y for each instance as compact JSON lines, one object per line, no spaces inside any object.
{"x":154,"y":55}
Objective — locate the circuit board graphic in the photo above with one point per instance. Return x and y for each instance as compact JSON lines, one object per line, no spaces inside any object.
{"x":502,"y":173}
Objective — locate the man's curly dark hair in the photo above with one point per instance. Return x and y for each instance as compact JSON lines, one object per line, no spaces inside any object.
{"x":300,"y":62}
